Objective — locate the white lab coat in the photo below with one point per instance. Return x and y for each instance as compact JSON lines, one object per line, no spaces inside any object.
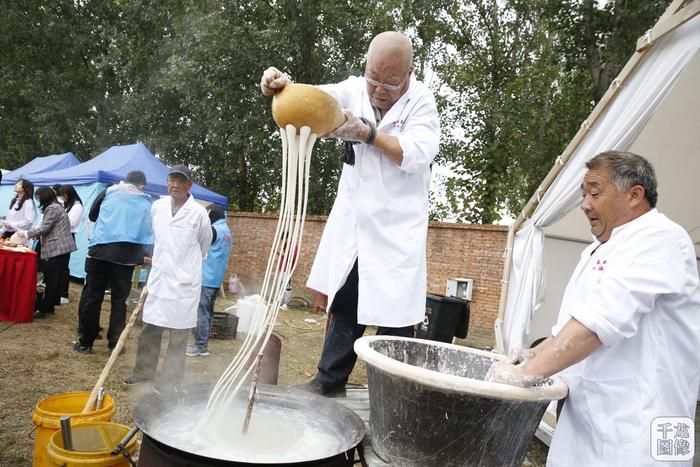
{"x":380,"y":214}
{"x":639,"y":293}
{"x":174,"y":283}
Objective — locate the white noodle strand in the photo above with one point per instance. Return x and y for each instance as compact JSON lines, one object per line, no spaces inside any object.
{"x":296,"y":162}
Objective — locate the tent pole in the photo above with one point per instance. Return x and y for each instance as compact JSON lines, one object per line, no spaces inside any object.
{"x":668,"y":24}
{"x":505,"y":280}
{"x":676,"y":14}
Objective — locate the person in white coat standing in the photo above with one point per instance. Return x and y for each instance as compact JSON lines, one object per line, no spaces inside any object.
{"x":182,"y":237}
{"x":371,"y":259}
{"x":627,"y":338}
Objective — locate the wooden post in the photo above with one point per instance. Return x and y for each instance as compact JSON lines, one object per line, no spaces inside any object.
{"x":135,"y":277}
{"x":505,"y":280}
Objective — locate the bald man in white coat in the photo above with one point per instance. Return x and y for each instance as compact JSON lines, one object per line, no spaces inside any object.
{"x":371,"y":259}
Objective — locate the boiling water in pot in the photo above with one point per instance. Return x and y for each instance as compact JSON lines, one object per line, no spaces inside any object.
{"x":275,"y":435}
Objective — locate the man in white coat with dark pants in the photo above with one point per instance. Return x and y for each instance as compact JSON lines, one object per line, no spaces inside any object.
{"x":628,"y":335}
{"x":371,"y":259}
{"x":182,"y":238}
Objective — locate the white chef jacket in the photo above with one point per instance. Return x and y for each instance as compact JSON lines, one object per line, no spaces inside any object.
{"x":380,"y":214}
{"x":174,"y":283}
{"x":639,"y":293}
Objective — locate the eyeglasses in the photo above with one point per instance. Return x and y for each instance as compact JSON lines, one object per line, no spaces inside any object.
{"x":388,"y":87}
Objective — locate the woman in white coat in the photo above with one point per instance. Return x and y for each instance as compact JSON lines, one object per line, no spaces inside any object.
{"x":371,"y":258}
{"x":22,"y":212}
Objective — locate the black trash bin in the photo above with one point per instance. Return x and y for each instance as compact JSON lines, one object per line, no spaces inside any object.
{"x":445,"y":318}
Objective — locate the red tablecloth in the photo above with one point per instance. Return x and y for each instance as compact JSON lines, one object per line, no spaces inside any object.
{"x":17,"y":285}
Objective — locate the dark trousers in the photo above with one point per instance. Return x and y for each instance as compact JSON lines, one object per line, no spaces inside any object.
{"x":148,"y":351}
{"x":99,"y":275}
{"x":53,"y":268}
{"x":65,"y":280}
{"x":338,"y":357}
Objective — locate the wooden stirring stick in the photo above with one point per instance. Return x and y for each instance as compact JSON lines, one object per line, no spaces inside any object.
{"x":253,"y":388}
{"x":115,"y":352}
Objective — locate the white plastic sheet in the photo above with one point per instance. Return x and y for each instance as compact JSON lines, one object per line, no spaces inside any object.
{"x":617,"y":129}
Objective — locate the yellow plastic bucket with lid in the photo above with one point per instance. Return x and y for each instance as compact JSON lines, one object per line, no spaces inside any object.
{"x":47,"y":418}
{"x":93,"y":443}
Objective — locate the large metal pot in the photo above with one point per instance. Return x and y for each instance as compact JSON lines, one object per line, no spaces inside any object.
{"x":346,"y":427}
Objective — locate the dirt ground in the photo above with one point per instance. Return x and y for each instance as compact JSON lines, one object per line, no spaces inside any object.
{"x":37,"y":361}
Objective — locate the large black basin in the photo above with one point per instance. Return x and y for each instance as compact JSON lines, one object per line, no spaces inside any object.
{"x":429,"y":405}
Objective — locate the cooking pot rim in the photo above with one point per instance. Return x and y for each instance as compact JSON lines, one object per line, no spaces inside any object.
{"x":342,"y":415}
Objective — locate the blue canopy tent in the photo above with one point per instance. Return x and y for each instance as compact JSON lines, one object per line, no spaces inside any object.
{"x":41,"y":164}
{"x":36,"y":165}
{"x":90,"y":178}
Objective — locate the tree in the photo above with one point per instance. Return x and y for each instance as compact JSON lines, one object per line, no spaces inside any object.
{"x":524,"y":76}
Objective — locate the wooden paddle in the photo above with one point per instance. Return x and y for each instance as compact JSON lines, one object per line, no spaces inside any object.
{"x":89,"y":405}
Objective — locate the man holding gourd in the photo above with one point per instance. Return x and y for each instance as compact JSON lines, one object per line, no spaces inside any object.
{"x":371,"y":261}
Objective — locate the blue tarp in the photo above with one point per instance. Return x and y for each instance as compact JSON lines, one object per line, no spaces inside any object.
{"x":41,"y":164}
{"x":112,"y":166}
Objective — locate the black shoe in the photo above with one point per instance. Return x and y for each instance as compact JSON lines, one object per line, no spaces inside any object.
{"x":131,"y":380}
{"x":83,"y":349}
{"x":315,"y":387}
{"x":39,"y":315}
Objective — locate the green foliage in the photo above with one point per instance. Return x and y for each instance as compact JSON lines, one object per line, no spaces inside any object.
{"x":525,"y":74}
{"x":513,"y":79}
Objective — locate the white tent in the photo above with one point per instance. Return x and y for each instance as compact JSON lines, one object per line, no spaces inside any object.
{"x":652,"y":108}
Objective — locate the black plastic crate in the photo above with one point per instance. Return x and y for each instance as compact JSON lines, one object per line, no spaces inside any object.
{"x":224,"y":326}
{"x":445,"y":318}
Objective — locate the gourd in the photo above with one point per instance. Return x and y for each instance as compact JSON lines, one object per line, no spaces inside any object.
{"x":302,"y":105}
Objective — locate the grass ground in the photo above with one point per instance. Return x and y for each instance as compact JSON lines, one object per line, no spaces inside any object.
{"x":37,"y":361}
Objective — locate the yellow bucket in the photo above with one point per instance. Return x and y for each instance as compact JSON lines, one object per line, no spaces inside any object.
{"x":93,"y":443}
{"x":47,"y":417}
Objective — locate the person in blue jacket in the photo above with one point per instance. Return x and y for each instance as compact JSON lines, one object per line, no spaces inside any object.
{"x":213,"y":270}
{"x":123,"y":229}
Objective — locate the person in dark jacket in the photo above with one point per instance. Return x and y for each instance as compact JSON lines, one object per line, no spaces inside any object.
{"x":57,"y":243}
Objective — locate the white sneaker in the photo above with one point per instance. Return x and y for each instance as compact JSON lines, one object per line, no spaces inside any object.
{"x":64,"y":301}
{"x":283,"y":307}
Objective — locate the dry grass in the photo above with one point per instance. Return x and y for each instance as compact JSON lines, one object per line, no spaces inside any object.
{"x":37,"y":361}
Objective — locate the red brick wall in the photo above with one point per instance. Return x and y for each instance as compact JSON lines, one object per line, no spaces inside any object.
{"x":454,"y":250}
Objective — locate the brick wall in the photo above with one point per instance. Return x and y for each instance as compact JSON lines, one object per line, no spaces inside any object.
{"x":454,"y":250}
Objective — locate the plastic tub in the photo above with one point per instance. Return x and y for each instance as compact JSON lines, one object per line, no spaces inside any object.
{"x":49,"y":411}
{"x":93,"y":443}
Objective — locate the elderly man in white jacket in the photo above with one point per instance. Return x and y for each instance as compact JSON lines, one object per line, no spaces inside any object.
{"x":183,"y":235}
{"x":371,"y":258}
{"x":628,"y":334}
